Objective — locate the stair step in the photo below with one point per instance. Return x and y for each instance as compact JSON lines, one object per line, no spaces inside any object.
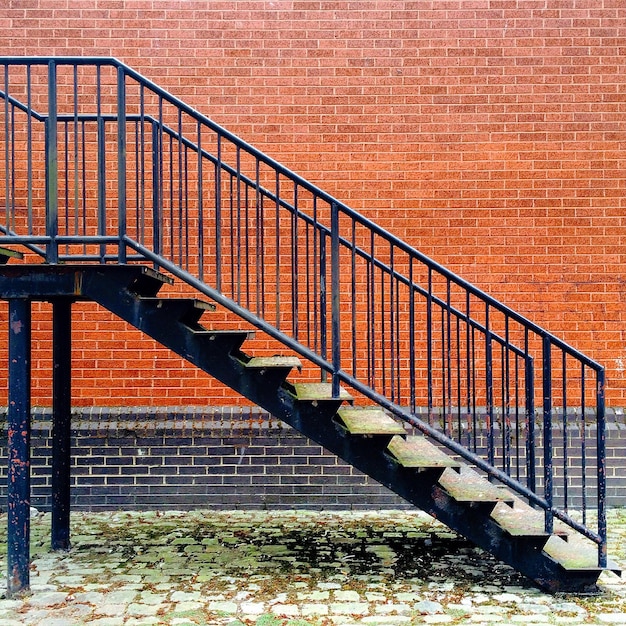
{"x":266,"y":362}
{"x":576,"y":556}
{"x":522,"y":520}
{"x":227,"y":341}
{"x":146,"y":281}
{"x":319,"y":392}
{"x":6,"y":254}
{"x":468,"y":486}
{"x":418,"y":452}
{"x":368,"y":421}
{"x":185,"y":310}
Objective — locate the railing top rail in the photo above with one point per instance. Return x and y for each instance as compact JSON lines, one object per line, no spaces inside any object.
{"x":319,"y":193}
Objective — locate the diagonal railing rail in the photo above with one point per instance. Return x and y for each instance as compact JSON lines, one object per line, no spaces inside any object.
{"x":100,"y":164}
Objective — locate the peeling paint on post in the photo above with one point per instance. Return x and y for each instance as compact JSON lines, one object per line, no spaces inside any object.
{"x":18,"y":447}
{"x":62,"y":419}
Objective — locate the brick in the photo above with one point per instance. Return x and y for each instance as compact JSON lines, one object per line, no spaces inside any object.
{"x":488,"y":137}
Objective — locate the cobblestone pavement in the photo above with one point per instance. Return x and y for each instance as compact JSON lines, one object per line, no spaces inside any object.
{"x":287,"y":569}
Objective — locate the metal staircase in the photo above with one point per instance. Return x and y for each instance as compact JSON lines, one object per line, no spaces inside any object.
{"x":113,"y":188}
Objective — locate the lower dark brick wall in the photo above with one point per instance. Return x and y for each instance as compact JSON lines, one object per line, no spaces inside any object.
{"x":222,"y":458}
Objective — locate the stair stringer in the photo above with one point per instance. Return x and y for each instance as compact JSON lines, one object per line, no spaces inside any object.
{"x":315,"y":419}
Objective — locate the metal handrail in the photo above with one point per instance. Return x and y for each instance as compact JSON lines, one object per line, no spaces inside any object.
{"x":418,"y":337}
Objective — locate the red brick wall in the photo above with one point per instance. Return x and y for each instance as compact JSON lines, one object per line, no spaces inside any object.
{"x":489,"y":134}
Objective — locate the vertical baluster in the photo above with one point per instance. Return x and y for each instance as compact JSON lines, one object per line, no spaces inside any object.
{"x":277,"y":248}
{"x":469,"y":368}
{"x":76,"y":153}
{"x":547,"y":429}
{"x":489,"y":389}
{"x":157,"y":168}
{"x":171,"y":216}
{"x":52,"y":167}
{"x":139,"y":182}
{"x":200,"y":203}
{"x":447,"y":326}
{"x":429,"y":345}
{"x":506,"y":427}
{"x":506,"y":400}
{"x":186,"y":256}
{"x":84,"y":179}
{"x":259,"y":220}
{"x":444,"y":387}
{"x":335,"y":295}
{"x":353,"y":298}
{"x":392,"y":325}
{"x":307,"y":282}
{"x":295,"y":276}
{"x":180,"y":176}
{"x":235,"y":284}
{"x":383,"y":333}
{"x":218,"y":214}
{"x":517,"y":420}
{"x":583,"y":452}
{"x":12,"y":176}
{"x":29,"y":149}
{"x":121,"y":162}
{"x":412,"y":346}
{"x":399,"y":345}
{"x":459,"y":424}
{"x":101,"y":142}
{"x":474,"y":407}
{"x":246,"y":243}
{"x":141,"y":166}
{"x":565,"y":435}
{"x":371,"y":315}
{"x":323,"y":300}
{"x":316,"y":303}
{"x":7,"y":158}
{"x":529,"y":376}
{"x":66,"y":181}
{"x":601,"y":451}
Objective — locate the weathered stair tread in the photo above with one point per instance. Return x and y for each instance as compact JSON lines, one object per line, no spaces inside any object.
{"x":368,"y":421}
{"x":523,"y":521}
{"x":418,"y":452}
{"x":227,"y":339}
{"x":210,"y":332}
{"x":319,"y":392}
{"x":575,"y":555}
{"x":468,"y":486}
{"x":181,"y":304}
{"x":263,"y":362}
{"x":7,"y":254}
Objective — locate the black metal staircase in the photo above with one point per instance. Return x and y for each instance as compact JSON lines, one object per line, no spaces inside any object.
{"x":428,"y":358}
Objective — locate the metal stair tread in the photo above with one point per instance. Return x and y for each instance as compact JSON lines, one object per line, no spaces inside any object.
{"x":6,"y":254}
{"x":368,"y":421}
{"x":195,"y":303}
{"x":575,"y":556}
{"x":522,"y":520}
{"x":468,"y":486}
{"x":317,"y":392}
{"x":249,"y":334}
{"x":262,"y":362}
{"x":418,"y":452}
{"x":145,"y":281}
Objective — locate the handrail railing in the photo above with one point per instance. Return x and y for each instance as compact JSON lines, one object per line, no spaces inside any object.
{"x":102,"y":164}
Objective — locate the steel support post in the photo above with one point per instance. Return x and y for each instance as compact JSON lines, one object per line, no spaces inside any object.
{"x":18,"y":447}
{"x":61,"y":422}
